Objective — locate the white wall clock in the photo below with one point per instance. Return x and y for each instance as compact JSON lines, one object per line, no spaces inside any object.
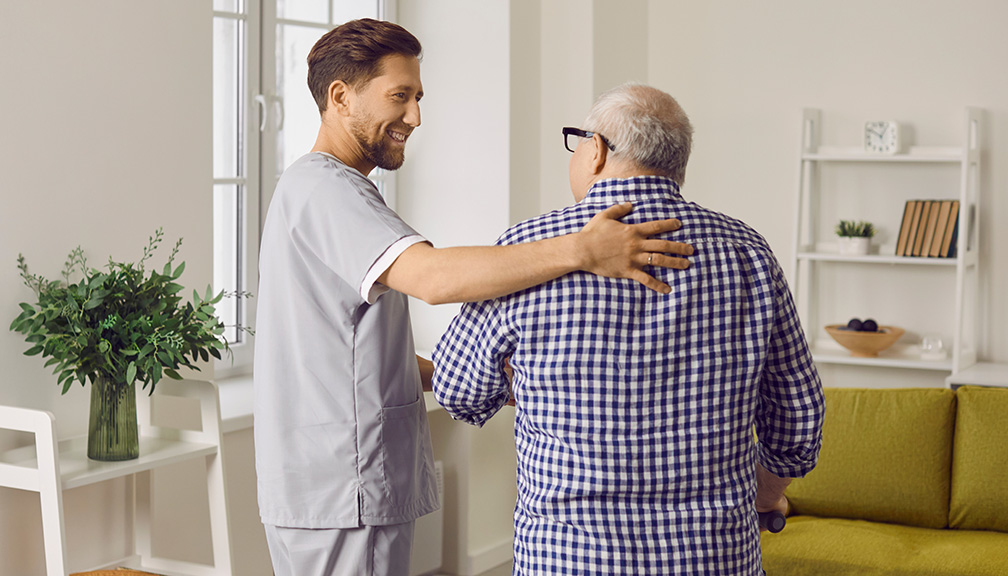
{"x":881,"y":136}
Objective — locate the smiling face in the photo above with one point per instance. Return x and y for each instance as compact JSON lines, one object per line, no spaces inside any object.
{"x":385,"y":111}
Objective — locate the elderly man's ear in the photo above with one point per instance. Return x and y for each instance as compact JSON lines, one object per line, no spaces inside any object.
{"x":600,"y":154}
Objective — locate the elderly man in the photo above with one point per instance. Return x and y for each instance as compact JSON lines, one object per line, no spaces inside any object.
{"x":635,"y":411}
{"x":343,"y":453}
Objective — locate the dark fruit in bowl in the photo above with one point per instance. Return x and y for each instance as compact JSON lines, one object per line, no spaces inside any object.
{"x":855,"y":325}
{"x":869,"y":325}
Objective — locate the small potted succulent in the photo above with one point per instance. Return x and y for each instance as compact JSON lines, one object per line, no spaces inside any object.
{"x":114,"y":327}
{"x":855,"y":237}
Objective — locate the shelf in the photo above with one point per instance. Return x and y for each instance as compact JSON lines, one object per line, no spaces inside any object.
{"x":980,"y":374}
{"x":50,"y":467}
{"x":76,"y":469}
{"x":918,"y":154}
{"x":905,"y":358}
{"x":877,"y":259}
{"x":825,"y":193}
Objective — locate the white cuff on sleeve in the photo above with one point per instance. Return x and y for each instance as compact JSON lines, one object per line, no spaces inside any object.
{"x":370,"y":288}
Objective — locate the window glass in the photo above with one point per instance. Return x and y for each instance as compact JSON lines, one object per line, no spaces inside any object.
{"x":305,"y":10}
{"x":227,"y":212}
{"x":344,"y":10}
{"x":226,"y":91}
{"x":225,"y":5}
{"x":264,"y":118}
{"x":301,"y":116}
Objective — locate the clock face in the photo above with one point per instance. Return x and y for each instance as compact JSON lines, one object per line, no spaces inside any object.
{"x":881,"y":136}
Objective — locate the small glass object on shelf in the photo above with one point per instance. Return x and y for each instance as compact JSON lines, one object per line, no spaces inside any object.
{"x":932,"y":348}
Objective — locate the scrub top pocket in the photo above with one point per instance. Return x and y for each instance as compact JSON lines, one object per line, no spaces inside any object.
{"x":404,"y":464}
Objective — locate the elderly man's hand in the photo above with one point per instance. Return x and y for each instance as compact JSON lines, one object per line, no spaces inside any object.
{"x":509,"y":372}
{"x":618,"y":250}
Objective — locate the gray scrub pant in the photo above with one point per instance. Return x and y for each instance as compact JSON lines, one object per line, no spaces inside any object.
{"x":363,"y":551}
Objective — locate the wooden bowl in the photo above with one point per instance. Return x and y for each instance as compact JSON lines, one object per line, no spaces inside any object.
{"x":865,"y":344}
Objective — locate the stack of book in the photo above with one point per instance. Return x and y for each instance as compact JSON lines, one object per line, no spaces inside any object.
{"x":930,"y":229}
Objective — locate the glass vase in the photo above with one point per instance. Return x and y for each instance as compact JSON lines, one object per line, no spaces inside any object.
{"x":112,"y":433}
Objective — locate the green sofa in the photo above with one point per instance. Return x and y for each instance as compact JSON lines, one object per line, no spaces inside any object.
{"x":909,"y":482}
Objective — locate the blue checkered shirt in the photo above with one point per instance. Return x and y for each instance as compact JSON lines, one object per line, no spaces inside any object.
{"x":635,"y":410}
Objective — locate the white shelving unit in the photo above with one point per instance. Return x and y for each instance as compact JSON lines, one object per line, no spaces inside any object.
{"x":980,"y":374}
{"x":815,"y":256}
{"x":50,"y":467}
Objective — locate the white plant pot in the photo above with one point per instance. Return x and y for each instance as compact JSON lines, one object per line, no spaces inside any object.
{"x":854,"y":246}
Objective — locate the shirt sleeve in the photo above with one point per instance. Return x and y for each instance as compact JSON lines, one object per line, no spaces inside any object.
{"x":370,"y":288}
{"x":469,"y":379}
{"x":791,"y":406}
{"x":347,"y":226}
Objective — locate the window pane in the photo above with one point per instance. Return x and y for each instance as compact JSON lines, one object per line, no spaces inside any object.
{"x":227,"y":207}
{"x":344,"y":10}
{"x":301,"y":116}
{"x":304,"y":10}
{"x":225,"y":5}
{"x":226,"y":97}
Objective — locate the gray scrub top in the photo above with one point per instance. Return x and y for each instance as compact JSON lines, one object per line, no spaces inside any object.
{"x":341,"y":433}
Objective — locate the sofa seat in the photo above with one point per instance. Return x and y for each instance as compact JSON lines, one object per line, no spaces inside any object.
{"x":864,"y":548}
{"x":909,"y":482}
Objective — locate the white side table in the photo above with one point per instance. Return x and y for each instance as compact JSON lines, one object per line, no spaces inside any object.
{"x":50,"y":467}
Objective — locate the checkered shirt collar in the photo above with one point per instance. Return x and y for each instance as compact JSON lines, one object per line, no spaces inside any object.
{"x":635,"y":188}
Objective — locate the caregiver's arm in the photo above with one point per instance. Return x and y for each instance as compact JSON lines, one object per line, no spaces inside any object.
{"x":604,"y":246}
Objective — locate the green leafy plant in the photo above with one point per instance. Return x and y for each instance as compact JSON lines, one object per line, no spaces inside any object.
{"x":851,"y":229}
{"x":120,"y":323}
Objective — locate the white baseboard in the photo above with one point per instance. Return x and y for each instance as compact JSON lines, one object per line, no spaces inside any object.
{"x":489,"y":557}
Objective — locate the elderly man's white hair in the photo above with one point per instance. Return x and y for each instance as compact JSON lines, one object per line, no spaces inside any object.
{"x":646,"y":126}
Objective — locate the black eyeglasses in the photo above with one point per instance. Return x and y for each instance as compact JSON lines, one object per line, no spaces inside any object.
{"x":579,"y":133}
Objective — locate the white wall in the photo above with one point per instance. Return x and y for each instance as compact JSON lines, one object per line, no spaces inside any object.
{"x":106,"y":112}
{"x":526,"y":81}
{"x":567,"y":91}
{"x":455,"y":189}
{"x":454,"y":184}
{"x":586,"y":48}
{"x":743,"y":72}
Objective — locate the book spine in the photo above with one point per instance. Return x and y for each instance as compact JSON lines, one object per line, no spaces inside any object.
{"x":929,"y":232}
{"x":939,"y":229}
{"x":948,"y":249}
{"x":904,"y":233}
{"x":914,"y":224}
{"x":922,"y":227}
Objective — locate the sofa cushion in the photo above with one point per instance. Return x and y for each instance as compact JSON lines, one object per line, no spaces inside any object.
{"x":835,"y":547}
{"x":886,"y":456}
{"x":980,"y":460}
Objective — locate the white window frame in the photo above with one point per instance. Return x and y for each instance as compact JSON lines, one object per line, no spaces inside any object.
{"x":246,"y":13}
{"x":261,"y":110}
{"x":273,"y":102}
